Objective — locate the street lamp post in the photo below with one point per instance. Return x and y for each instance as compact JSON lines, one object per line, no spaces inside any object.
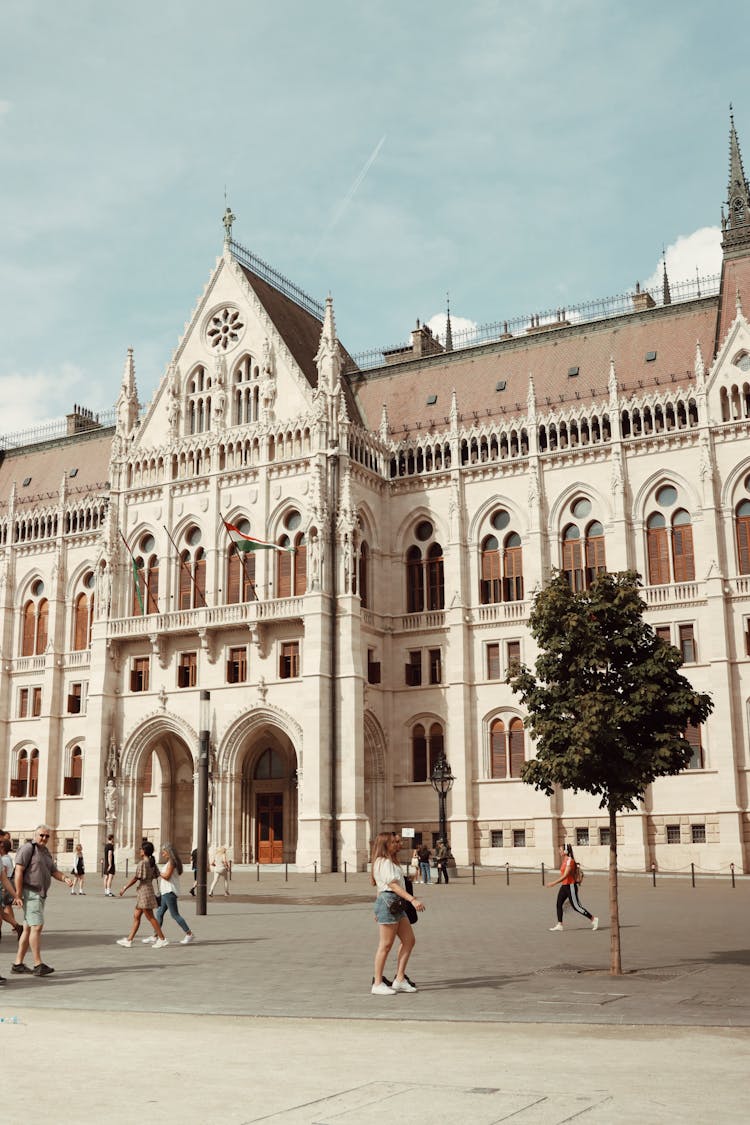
{"x":204,"y":737}
{"x":442,"y":780}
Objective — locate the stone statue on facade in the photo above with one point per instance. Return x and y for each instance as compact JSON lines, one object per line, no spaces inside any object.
{"x":111,"y":800}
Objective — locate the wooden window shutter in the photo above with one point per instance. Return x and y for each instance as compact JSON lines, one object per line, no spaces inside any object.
{"x":81,"y":623}
{"x":682,"y":548}
{"x":693,"y":736}
{"x":41,"y":630}
{"x":247,"y":565}
{"x":490,"y":584}
{"x":152,"y":586}
{"x":658,"y":556}
{"x":283,"y":574}
{"x":234,"y":573}
{"x":414,"y":581}
{"x":595,"y":557}
{"x":200,"y":579}
{"x":185,"y":588}
{"x":497,"y":749}
{"x":34,"y":774}
{"x":516,"y":746}
{"x":300,"y":568}
{"x":513,"y":582}
{"x":743,"y":544}
{"x":435,"y":578}
{"x":419,"y":754}
{"x":29,"y":629}
{"x":493,"y":662}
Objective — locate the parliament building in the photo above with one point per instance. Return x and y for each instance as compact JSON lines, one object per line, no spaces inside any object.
{"x":407,"y":505}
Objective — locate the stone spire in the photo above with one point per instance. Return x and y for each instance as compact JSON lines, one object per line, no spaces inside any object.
{"x":384,"y":423}
{"x":448,"y":329}
{"x":531,"y":399}
{"x":700,"y":367}
{"x":666,"y":294}
{"x":736,"y":223}
{"x":127,"y":405}
{"x":329,"y":360}
{"x":612,"y":382}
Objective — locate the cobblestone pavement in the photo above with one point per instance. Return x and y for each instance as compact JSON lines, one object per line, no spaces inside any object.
{"x":510,"y":1021}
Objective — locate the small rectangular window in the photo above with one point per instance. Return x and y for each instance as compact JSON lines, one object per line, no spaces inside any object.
{"x":187,"y":669}
{"x":496,"y":838}
{"x":501,"y":384}
{"x":431,"y":400}
{"x":512,"y":656}
{"x":435,"y":658}
{"x":493,"y":661}
{"x":604,"y":837}
{"x":373,"y":667}
{"x":139,"y":674}
{"x":289,"y":660}
{"x":573,"y":371}
{"x":413,"y":669}
{"x":698,"y":833}
{"x":664,"y":633}
{"x":519,"y":837}
{"x":582,"y":837}
{"x":75,"y":699}
{"x":23,"y":703}
{"x":69,"y":843}
{"x":650,"y":357}
{"x":673,"y":833}
{"x":36,"y":702}
{"x":237,"y":665}
{"x":687,"y":644}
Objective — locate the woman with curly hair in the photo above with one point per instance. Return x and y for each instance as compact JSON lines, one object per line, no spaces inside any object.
{"x":145,"y":899}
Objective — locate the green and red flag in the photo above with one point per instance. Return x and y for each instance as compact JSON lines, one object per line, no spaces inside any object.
{"x":245,"y":542}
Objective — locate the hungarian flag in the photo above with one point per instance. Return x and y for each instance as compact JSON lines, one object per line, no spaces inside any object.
{"x":137,"y":577}
{"x":248,"y":543}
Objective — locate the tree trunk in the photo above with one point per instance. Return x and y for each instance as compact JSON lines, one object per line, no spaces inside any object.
{"x":615,"y":962}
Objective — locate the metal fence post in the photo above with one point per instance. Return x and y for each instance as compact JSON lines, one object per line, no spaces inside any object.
{"x":653,"y":874}
{"x":315,"y":870}
{"x":542,"y":872}
{"x":507,"y":874}
{"x":731,"y":866}
{"x":692,"y":873}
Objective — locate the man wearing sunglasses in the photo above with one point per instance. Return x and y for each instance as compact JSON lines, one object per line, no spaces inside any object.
{"x":35,"y":870}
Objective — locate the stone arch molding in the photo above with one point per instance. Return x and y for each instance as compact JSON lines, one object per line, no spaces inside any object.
{"x":246,"y":723}
{"x":376,"y":742}
{"x":143,"y":734}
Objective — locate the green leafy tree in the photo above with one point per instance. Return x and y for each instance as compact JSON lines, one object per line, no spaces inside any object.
{"x":607,"y":705}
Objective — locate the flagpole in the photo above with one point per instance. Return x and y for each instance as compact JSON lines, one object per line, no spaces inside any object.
{"x":241,"y":554}
{"x":134,"y":572}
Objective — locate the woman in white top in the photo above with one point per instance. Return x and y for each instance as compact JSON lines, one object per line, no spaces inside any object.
{"x":387,"y":876}
{"x":169,"y":889}
{"x":220,"y":866}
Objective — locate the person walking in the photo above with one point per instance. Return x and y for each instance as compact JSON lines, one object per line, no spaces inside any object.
{"x":424,"y":854}
{"x":169,"y":889}
{"x":194,"y":865}
{"x":417,"y":869}
{"x":35,"y":869}
{"x":108,"y":867}
{"x":569,"y":889}
{"x":221,"y":868}
{"x":387,"y":876}
{"x":8,"y":890}
{"x":78,"y":871}
{"x":145,"y":899}
{"x":442,"y":855}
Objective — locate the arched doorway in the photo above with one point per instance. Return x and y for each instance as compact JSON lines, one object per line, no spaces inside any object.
{"x":164,"y":794}
{"x":268,"y":805}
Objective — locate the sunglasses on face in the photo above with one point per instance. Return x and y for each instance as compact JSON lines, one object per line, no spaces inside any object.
{"x":43,"y":835}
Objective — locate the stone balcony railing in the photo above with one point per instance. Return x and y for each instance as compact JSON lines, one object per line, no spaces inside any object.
{"x":207,"y":617}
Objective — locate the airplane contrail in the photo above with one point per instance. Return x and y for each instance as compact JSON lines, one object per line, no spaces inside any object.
{"x":351,"y":192}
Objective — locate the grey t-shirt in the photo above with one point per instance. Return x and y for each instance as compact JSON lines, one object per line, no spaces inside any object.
{"x":38,"y":865}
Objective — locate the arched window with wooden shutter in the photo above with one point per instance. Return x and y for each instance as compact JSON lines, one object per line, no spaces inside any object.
{"x":498,"y":768}
{"x":657,"y":547}
{"x":299,"y":560}
{"x":435,"y":578}
{"x":516,"y":749}
{"x":682,"y":547}
{"x":152,"y":585}
{"x":42,"y":626}
{"x":513,"y":568}
{"x":742,"y":527}
{"x":364,"y":574}
{"x":199,"y":575}
{"x":81,"y":623}
{"x":693,"y":736}
{"x":185,"y":582}
{"x":596,"y":562}
{"x":572,"y":557}
{"x":490,"y":590}
{"x":34,"y":774}
{"x":437,"y":746}
{"x":284,"y":570}
{"x":414,"y":581}
{"x":74,"y":773}
{"x":419,"y":753}
{"x":20,"y":783}
{"x":28,"y":629}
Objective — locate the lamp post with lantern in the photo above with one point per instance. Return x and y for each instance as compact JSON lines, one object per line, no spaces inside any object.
{"x":442,"y":780}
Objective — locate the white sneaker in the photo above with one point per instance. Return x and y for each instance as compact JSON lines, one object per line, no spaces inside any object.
{"x":188,"y":939}
{"x":160,"y":943}
{"x":595,"y":924}
{"x":147,"y":940}
{"x":558,"y":926}
{"x":382,"y":990}
{"x":124,"y":941}
{"x":403,"y":986}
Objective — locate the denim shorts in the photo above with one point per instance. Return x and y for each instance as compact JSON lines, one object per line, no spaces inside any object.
{"x":33,"y":908}
{"x":382,"y":913}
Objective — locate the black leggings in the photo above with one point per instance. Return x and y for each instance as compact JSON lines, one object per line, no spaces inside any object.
{"x":569,"y":893}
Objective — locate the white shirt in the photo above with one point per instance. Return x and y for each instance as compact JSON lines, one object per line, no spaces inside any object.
{"x":170,"y":885}
{"x":385,"y":871}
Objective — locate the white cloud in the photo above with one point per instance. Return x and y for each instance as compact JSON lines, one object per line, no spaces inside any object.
{"x":700,"y":250}
{"x":5,"y":106}
{"x":463,"y":330}
{"x":33,"y":398}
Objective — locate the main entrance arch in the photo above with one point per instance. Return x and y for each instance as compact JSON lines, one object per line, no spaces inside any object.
{"x":158,"y":771}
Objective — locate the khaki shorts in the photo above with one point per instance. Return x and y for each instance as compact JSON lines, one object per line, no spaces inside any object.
{"x":33,"y":908}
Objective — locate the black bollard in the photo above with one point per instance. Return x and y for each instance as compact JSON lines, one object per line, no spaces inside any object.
{"x":692,"y":873}
{"x":473,"y":875}
{"x":286,"y":872}
{"x":257,"y":873}
{"x":542,"y":872}
{"x":731,"y":866}
{"x":507,"y":874}
{"x":315,"y":870}
{"x":344,"y":870}
{"x":653,"y":874}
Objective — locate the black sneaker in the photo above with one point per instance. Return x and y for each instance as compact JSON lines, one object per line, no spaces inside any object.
{"x":2,"y":980}
{"x":42,"y":970}
{"x":20,"y":968}
{"x":385,"y":981}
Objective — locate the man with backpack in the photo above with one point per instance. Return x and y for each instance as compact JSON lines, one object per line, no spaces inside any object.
{"x":35,"y":870}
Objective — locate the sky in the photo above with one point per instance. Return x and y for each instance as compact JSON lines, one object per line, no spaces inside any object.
{"x":518,"y":156}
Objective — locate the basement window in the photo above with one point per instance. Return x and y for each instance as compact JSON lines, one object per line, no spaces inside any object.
{"x":650,"y":357}
{"x":573,"y":371}
{"x":431,"y":400}
{"x":501,"y":385}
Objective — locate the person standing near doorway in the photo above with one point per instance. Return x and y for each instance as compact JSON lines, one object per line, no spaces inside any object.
{"x":109,"y":865}
{"x":35,"y":870}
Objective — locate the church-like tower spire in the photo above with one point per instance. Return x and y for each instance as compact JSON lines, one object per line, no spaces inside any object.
{"x":736,"y":223}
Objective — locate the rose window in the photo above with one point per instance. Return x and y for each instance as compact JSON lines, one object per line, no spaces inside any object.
{"x":224,"y":329}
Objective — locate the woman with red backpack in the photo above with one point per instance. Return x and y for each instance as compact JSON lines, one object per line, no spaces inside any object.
{"x":569,"y":888}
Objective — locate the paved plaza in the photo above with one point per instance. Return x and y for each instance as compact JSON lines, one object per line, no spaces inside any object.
{"x":269,"y":1017}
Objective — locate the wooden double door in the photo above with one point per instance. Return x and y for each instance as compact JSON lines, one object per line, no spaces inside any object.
{"x":269,"y":827}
